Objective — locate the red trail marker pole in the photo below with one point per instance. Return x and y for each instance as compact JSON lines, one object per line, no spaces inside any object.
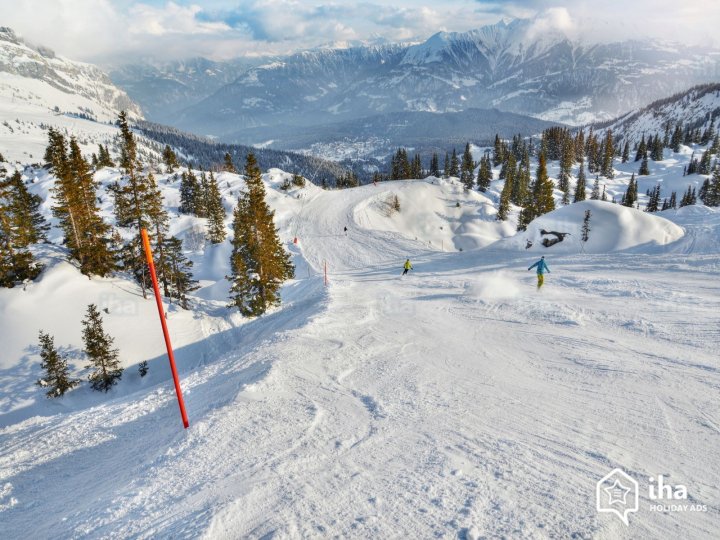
{"x":161,"y":312}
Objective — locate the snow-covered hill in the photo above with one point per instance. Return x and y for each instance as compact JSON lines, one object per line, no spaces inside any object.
{"x":694,"y":108}
{"x":36,"y":76}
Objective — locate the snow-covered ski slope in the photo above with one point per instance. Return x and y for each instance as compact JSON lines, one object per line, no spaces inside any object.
{"x":455,"y":402}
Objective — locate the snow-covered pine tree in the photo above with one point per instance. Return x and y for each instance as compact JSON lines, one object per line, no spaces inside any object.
{"x":259,"y":263}
{"x":484,"y":174}
{"x":595,"y":194}
{"x":521,"y":185}
{"x":446,"y":168}
{"x":626,"y":152}
{"x":644,"y":169}
{"x":143,"y":368}
{"x":98,"y":348}
{"x":676,"y":139}
{"x":57,"y":374}
{"x":581,"y":184}
{"x":170,"y":159}
{"x":586,"y":226}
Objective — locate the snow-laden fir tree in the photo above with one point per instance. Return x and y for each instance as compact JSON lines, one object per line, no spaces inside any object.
{"x":454,"y":164}
{"x":712,"y":193}
{"x":644,"y":168}
{"x":609,"y":151}
{"x":258,"y":262}
{"x":98,"y":347}
{"x":595,"y":194}
{"x":57,"y":378}
{"x":504,"y":206}
{"x":543,"y":201}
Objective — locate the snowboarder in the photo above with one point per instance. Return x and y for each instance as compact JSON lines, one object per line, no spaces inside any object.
{"x":541,"y":269}
{"x":407,"y":267}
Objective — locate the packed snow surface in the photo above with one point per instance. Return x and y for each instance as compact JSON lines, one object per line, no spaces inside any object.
{"x":456,"y":401}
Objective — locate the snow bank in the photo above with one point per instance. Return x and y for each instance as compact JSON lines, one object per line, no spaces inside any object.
{"x":613,"y":227}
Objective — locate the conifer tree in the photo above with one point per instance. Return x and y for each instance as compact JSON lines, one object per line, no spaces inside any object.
{"x":177,"y":271}
{"x":676,"y":139}
{"x":626,"y":152}
{"x":57,"y":374}
{"x":630,"y":197}
{"x":259,"y":263}
{"x":467,"y":174}
{"x":189,"y":192}
{"x":543,"y":190}
{"x":521,"y":186}
{"x":216,"y":210}
{"x":138,"y":205}
{"x":642,"y":150}
{"x":504,"y":206}
{"x":712,"y":193}
{"x":454,"y":164}
{"x":435,"y":166}
{"x":98,"y":348}
{"x":586,"y":226}
{"x":416,"y":167}
{"x":170,"y":159}
{"x":228,"y":165}
{"x":567,"y":159}
{"x":24,"y":207}
{"x":673,"y":200}
{"x":498,"y":151}
{"x":704,"y":165}
{"x":143,"y":368}
{"x":484,"y":174}
{"x":446,"y":168}
{"x":86,"y":234}
{"x":580,"y":185}
{"x":104,"y":159}
{"x":595,"y":194}
{"x":654,"y":201}
{"x":607,"y":162}
{"x":644,"y":169}
{"x":657,"y":149}
{"x":17,"y":264}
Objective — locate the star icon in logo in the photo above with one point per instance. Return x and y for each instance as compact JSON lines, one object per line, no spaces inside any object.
{"x":617,"y":493}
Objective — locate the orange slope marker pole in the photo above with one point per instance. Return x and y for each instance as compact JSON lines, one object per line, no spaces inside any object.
{"x":161,"y":312}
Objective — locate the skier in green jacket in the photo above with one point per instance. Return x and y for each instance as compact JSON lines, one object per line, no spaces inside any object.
{"x":407,"y":266}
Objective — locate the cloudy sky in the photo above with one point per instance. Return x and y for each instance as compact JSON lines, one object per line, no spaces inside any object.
{"x":117,"y":30}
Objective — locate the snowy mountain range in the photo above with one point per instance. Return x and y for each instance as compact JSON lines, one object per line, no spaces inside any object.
{"x":509,"y":66}
{"x":35,"y":75}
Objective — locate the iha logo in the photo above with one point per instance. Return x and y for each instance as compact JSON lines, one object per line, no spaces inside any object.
{"x":617,"y":493}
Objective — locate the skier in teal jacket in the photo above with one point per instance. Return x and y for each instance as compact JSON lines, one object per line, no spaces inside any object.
{"x":541,"y":269}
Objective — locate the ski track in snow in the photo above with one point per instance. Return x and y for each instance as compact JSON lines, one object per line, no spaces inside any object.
{"x":455,"y":402}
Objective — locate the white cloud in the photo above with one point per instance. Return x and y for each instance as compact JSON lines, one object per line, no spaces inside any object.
{"x":94,"y":30}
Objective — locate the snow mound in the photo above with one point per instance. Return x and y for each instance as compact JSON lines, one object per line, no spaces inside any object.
{"x":613,"y":227}
{"x":436,"y":212}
